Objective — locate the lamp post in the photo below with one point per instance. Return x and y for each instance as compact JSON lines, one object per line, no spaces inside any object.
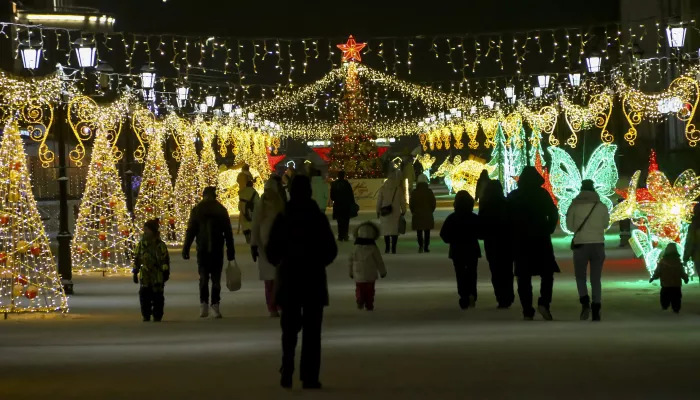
{"x":148,"y":77}
{"x":575,"y":79}
{"x":593,"y":62}
{"x":85,"y":51}
{"x":543,"y":81}
{"x":31,"y":54}
{"x":183,"y":93}
{"x":210,"y":101}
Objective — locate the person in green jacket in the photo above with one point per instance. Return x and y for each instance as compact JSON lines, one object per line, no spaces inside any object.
{"x":151,"y":270}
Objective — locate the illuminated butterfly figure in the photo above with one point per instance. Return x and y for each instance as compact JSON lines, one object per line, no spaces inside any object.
{"x":566,"y":179}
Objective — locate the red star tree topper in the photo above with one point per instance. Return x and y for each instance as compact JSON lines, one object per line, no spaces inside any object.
{"x":351,"y":50}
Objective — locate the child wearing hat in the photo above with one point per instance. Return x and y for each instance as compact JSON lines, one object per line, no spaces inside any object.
{"x":151,"y":270}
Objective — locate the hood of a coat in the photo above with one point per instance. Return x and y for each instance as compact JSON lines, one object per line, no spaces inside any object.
{"x":587,"y":196}
{"x":367,"y":230}
{"x":530,"y":178}
{"x":464,"y":202}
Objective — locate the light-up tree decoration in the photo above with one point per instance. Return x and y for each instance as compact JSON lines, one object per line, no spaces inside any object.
{"x":461,"y":175}
{"x":155,"y":199}
{"x":103,"y":230}
{"x":227,"y":191}
{"x":566,"y":179}
{"x":187,"y":189}
{"x":29,"y":281}
{"x":426,"y":161}
{"x":508,"y":159}
{"x":208,"y":171}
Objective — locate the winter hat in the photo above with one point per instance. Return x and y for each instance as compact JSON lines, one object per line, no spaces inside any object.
{"x":367,"y":230}
{"x":209,"y":191}
{"x":587,"y":185}
{"x":153,"y":225}
{"x":422,"y":179}
{"x":530,"y":178}
{"x":464,"y":202}
{"x":301,"y":188}
{"x":671,"y":250}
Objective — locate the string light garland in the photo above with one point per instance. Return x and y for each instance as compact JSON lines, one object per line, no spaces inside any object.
{"x":596,"y":114}
{"x":228,"y":189}
{"x":29,"y":280}
{"x":508,"y":159}
{"x":566,"y":179}
{"x":187,"y":189}
{"x":208,"y":172}
{"x":103,"y":237}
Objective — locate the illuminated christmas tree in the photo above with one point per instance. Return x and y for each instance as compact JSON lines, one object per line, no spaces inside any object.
{"x":102,"y":240}
{"x":499,"y":158}
{"x":536,"y":150}
{"x":354,"y":149}
{"x":29,"y":281}
{"x":508,"y":159}
{"x":155,"y":198}
{"x":187,"y":190}
{"x":208,"y":171}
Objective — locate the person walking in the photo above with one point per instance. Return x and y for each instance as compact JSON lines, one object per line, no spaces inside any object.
{"x":691,"y":251}
{"x":244,"y":176}
{"x":366,"y":264}
{"x":247,"y":199}
{"x":670,"y":271}
{"x":320,"y":189}
{"x":391,"y":206}
{"x":270,"y":206}
{"x":210,"y":225}
{"x":460,"y":231}
{"x":151,"y":270}
{"x":590,"y":218}
{"x":481,"y":184}
{"x":533,"y":218}
{"x":301,"y":245}
{"x":422,"y":205}
{"x":344,"y":206}
{"x":493,"y":217}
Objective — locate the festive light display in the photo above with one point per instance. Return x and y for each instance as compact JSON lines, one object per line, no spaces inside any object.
{"x":461,"y":175}
{"x":596,"y":114}
{"x":426,"y":161}
{"x":508,"y":158}
{"x":566,"y":179}
{"x":641,"y":193}
{"x":187,"y":188}
{"x":29,"y":281}
{"x":227,"y":191}
{"x":351,"y":50}
{"x":103,"y":237}
{"x":208,"y":172}
{"x":155,"y":199}
{"x":354,"y":150}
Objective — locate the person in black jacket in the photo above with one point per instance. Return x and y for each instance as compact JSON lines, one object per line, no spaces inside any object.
{"x":301,"y":245}
{"x":344,"y":206}
{"x":210,"y":224}
{"x":534,"y":218}
{"x":481,"y":184}
{"x":493,"y":216}
{"x":460,"y":231}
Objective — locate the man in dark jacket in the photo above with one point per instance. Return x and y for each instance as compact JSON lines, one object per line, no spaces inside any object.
{"x":210,"y":224}
{"x":533,"y":218}
{"x":344,"y":206}
{"x":302,"y":246}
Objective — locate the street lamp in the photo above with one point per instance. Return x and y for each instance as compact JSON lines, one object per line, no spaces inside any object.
{"x":148,"y":77}
{"x":149,"y":95}
{"x":228,"y":107}
{"x":593,"y":62}
{"x":210,"y":100}
{"x":543,"y":81}
{"x":675,"y":33}
{"x":538,"y":91}
{"x":203,"y":108}
{"x":575,"y":79}
{"x":31,"y":54}
{"x":85,"y":50}
{"x":104,"y":71}
{"x":183,"y":93}
{"x":510,"y":91}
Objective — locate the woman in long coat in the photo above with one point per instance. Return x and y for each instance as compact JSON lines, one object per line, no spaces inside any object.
{"x":493,"y":217}
{"x":534,"y":218}
{"x":422,"y":205}
{"x":269,"y":207}
{"x":392,"y":200}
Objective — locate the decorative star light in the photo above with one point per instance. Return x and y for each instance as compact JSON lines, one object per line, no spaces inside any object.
{"x":351,"y":50}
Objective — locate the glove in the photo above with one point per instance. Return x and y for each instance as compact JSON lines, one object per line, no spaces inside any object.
{"x":230,"y":254}
{"x":136,"y":277}
{"x":185,"y":254}
{"x":254,"y":253}
{"x":166,"y":275}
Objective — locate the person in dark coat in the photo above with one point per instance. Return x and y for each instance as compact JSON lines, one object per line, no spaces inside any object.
{"x":534,"y":218}
{"x":210,"y":224}
{"x":344,"y":206}
{"x":460,"y":231}
{"x":493,"y":216}
{"x":481,"y":184}
{"x":422,"y":205}
{"x":301,"y":245}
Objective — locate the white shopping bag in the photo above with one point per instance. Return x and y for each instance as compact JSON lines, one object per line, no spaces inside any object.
{"x":233,"y":276}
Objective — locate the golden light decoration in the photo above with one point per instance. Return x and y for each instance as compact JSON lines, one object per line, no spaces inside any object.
{"x":227,"y":191}
{"x":542,"y":121}
{"x":472,"y":128}
{"x":187,"y":188}
{"x":446,"y":137}
{"x":155,"y":198}
{"x":208,"y":172}
{"x":511,"y":127}
{"x":36,"y":115}
{"x":462,"y":175}
{"x":595,"y":114}
{"x":627,"y":208}
{"x":351,"y":50}
{"x":143,"y":124}
{"x":680,"y":98}
{"x":489,"y":126}
{"x":29,"y":280}
{"x":103,"y":235}
{"x":426,"y":161}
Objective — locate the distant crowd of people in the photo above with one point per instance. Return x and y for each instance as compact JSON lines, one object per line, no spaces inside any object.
{"x":291,"y":240}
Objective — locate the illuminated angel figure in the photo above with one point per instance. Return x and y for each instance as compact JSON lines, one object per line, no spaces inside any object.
{"x":566,"y":180}
{"x":673,"y":205}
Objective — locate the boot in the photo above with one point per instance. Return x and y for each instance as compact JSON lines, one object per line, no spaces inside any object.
{"x":203,"y":310}
{"x":420,"y":250}
{"x":596,"y":311}
{"x":215,"y":311}
{"x":585,"y":307}
{"x":544,"y":311}
{"x":286,"y":378}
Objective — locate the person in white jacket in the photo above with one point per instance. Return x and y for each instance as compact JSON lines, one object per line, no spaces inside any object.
{"x":267,"y":209}
{"x":589,"y":218}
{"x":391,"y":206}
{"x":366,"y":264}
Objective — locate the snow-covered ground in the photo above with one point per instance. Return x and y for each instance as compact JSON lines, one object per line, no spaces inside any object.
{"x":417,"y":344}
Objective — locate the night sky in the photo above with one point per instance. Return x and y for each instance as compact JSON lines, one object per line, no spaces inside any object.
{"x":289,"y":19}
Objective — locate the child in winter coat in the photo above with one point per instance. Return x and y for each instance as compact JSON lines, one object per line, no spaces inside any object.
{"x":670,"y":271}
{"x":365,"y":264}
{"x":152,"y":270}
{"x":460,"y":231}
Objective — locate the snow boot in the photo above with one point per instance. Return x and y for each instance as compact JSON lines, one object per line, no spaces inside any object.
{"x":203,"y":310}
{"x":585,"y":307}
{"x":544,"y":310}
{"x":215,"y":311}
{"x":595,"y":307}
{"x":286,"y":380}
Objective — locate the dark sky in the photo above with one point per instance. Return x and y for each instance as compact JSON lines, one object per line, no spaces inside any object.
{"x":260,"y":18}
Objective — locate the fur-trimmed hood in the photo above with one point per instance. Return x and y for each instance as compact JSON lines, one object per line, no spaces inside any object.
{"x":367,"y":231}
